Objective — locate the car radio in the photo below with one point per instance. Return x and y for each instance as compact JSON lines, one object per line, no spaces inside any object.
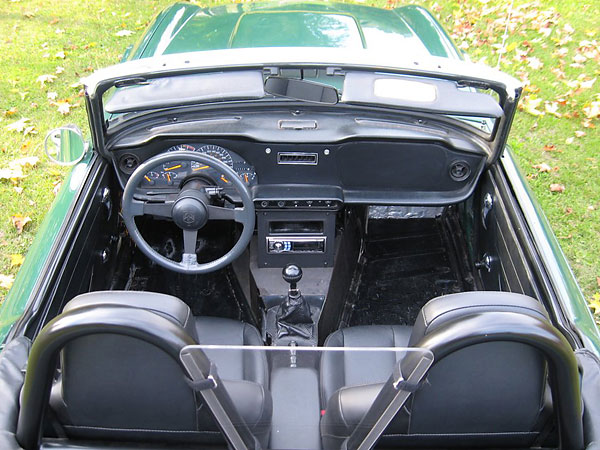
{"x":296,"y":244}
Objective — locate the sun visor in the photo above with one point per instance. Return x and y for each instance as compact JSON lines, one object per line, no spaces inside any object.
{"x":183,"y":90}
{"x":419,"y":93}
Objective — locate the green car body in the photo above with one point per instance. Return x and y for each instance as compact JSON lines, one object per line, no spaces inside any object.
{"x":189,"y":28}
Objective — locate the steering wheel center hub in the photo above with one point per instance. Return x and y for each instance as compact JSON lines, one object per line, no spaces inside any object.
{"x":190,"y":213}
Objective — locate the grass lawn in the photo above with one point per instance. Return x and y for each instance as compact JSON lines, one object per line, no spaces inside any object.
{"x":552,"y":46}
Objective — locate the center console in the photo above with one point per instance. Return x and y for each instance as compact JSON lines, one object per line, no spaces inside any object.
{"x":299,"y":229}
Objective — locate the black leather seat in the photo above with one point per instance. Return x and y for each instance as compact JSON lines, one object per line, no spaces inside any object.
{"x":115,"y":387}
{"x":487,"y":395}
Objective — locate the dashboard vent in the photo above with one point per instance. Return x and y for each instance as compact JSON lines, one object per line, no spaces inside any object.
{"x":298,"y":158}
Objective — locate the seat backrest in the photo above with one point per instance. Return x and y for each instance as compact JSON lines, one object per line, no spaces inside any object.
{"x":491,"y":394}
{"x":118,"y":387}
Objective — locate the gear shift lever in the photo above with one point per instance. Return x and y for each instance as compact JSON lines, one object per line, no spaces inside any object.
{"x":292,"y":274}
{"x":293,"y":315}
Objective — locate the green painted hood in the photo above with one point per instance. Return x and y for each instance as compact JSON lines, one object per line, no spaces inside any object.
{"x":184,"y":27}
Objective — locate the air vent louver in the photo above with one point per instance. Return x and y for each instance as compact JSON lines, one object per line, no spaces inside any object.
{"x":297,"y":158}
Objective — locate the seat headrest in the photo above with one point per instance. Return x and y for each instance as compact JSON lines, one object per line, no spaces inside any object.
{"x":165,"y":305}
{"x":441,"y":310}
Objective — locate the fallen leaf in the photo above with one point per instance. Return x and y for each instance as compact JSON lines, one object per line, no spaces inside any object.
{"x":11,"y":173}
{"x":28,"y":161}
{"x":569,"y":140}
{"x":16,"y":260}
{"x":595,"y":303}
{"x":18,"y":190}
{"x":591,"y":208}
{"x":543,"y":167}
{"x":551,"y":148}
{"x":123,"y":33}
{"x":60,"y":55}
{"x":19,"y":125}
{"x":6,"y":281}
{"x":592,"y":111}
{"x":47,"y":78}
{"x":568,"y":211}
{"x":19,"y":222}
{"x":552,"y":108}
{"x":535,"y":63}
{"x":530,"y":105}
{"x":64,"y":107}
{"x":588,"y":83}
{"x":579,"y":133}
{"x":555,"y":187}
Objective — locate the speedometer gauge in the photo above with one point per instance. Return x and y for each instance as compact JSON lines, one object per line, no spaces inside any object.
{"x":217,"y":152}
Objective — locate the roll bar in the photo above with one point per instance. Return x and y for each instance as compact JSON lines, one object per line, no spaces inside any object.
{"x":455,"y":335}
{"x":494,"y":326}
{"x":85,"y":321}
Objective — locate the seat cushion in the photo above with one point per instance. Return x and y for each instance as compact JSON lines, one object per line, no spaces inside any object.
{"x":339,"y":369}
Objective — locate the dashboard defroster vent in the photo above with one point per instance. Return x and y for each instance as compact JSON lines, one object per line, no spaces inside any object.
{"x":302,"y":158}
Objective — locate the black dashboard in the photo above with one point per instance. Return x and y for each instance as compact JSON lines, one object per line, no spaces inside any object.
{"x":298,"y":188}
{"x":282,"y":175}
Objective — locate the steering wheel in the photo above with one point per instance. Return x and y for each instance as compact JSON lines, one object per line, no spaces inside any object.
{"x":190,"y":209}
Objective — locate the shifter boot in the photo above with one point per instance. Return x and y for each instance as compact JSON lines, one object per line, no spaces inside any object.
{"x":293,"y":317}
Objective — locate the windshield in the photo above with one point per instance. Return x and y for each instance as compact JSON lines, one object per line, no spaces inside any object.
{"x":290,"y":396}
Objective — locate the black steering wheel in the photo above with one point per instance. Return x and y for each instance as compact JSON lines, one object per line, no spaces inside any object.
{"x":190,"y":209}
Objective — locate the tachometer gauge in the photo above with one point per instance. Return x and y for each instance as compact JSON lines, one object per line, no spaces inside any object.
{"x":182,"y":147}
{"x":217,"y":152}
{"x":178,"y":165}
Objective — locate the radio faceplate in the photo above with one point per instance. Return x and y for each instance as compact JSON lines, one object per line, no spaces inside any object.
{"x":296,"y":244}
{"x":305,"y":238}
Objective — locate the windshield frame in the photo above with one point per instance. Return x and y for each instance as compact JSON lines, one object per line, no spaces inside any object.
{"x":463,"y":73}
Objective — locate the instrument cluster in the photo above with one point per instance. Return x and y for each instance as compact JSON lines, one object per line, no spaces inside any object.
{"x":174,"y":172}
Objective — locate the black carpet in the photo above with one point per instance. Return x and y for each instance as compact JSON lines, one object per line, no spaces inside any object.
{"x":214,"y":294}
{"x":405,"y":264}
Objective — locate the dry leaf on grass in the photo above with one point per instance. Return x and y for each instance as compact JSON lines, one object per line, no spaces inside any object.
{"x":47,"y":78}
{"x":543,"y":167}
{"x":6,"y":281}
{"x":16,"y":259}
{"x":19,"y":221}
{"x":22,"y":126}
{"x":556,"y":187}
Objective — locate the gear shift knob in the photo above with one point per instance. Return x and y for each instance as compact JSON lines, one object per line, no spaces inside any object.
{"x":292,"y":274}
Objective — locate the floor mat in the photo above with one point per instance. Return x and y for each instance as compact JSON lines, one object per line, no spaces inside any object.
{"x":405,"y":264}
